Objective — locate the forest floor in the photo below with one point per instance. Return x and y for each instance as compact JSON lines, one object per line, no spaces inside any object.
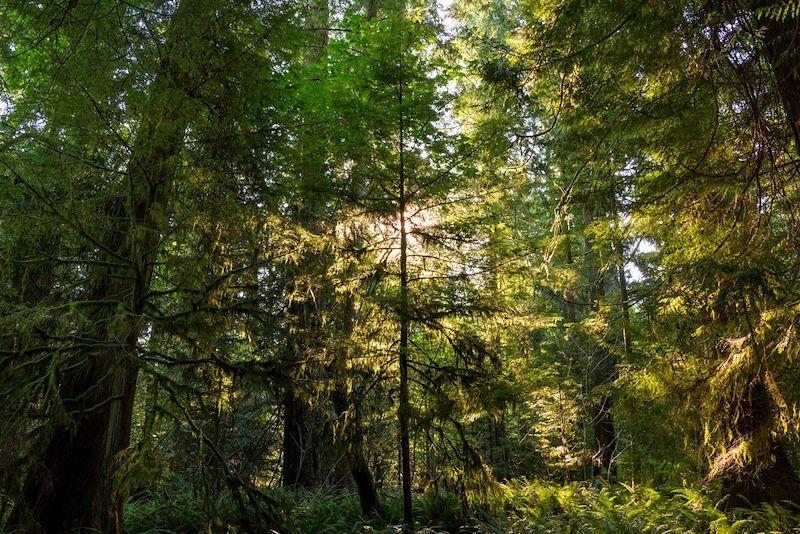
{"x":519,"y":506}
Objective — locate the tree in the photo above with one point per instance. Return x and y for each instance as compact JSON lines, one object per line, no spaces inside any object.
{"x":114,"y":203}
{"x":309,"y":457}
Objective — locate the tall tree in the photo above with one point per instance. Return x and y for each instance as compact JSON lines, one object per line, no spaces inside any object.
{"x":309,"y":458}
{"x":114,"y":205}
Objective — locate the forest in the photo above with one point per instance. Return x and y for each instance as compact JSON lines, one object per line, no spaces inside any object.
{"x":330,"y":266}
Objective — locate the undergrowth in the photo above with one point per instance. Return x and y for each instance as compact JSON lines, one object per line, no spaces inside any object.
{"x":526,"y":507}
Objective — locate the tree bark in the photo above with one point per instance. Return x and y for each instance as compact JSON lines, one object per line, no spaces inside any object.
{"x":770,"y":476}
{"x":782,"y":50}
{"x":624,"y":302}
{"x":569,"y":294}
{"x":349,"y":416}
{"x":603,"y":366}
{"x":310,"y":457}
{"x":372,"y":9}
{"x":404,"y":408}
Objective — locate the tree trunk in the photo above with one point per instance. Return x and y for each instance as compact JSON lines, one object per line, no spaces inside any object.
{"x":783,"y":53}
{"x":72,"y":485}
{"x":365,"y":483}
{"x":404,"y":408}
{"x":372,"y":9}
{"x":769,"y":476}
{"x":348,"y":413}
{"x":309,"y":458}
{"x":297,"y":470}
{"x":310,"y":455}
{"x":624,"y":303}
{"x":603,"y":366}
{"x":351,"y":433}
{"x":775,"y":479}
{"x":569,"y":294}
{"x":625,"y":320}
{"x":774,"y":483}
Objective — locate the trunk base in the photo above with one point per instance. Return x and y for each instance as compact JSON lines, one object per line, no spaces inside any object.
{"x":778,"y":482}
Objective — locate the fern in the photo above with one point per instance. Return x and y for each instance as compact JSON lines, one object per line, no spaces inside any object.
{"x":780,"y":12}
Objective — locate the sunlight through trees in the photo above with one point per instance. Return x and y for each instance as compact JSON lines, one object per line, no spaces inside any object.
{"x":399,"y":265}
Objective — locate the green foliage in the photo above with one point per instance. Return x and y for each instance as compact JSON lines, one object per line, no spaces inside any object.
{"x":526,"y":507}
{"x":580,"y":507}
{"x":171,"y":511}
{"x":175,"y":508}
{"x":780,"y":11}
{"x":203,"y":198}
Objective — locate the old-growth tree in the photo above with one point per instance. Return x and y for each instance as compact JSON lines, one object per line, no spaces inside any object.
{"x":95,"y":144}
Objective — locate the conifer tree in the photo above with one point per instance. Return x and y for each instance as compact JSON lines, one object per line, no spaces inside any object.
{"x":96,"y":144}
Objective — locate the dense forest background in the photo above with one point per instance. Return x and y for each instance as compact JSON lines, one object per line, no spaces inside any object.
{"x":369,"y":265}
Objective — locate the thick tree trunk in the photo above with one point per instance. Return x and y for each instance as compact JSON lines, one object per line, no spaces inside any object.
{"x":604,"y":436}
{"x":353,"y":439}
{"x":774,"y":483}
{"x":774,"y":479}
{"x":310,"y":458}
{"x":603,"y":374}
{"x":309,"y":455}
{"x":782,"y":49}
{"x":297,"y":469}
{"x":348,"y":414}
{"x":307,"y":433}
{"x":365,"y":483}
{"x":768,"y":476}
{"x":73,"y":483}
